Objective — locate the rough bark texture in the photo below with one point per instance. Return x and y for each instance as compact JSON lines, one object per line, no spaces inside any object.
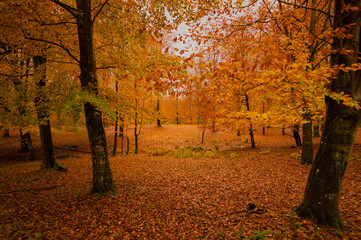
{"x":324,"y":183}
{"x":102,"y":177}
{"x":307,"y":147}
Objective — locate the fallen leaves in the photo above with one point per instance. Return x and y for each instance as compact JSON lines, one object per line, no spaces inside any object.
{"x":164,"y":197}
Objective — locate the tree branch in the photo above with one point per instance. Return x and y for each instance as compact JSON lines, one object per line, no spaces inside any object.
{"x":70,"y":9}
{"x":53,"y":43}
{"x":100,"y":9}
{"x":305,"y":7}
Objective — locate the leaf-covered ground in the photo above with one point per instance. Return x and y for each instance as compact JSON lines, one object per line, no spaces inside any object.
{"x":175,"y":188}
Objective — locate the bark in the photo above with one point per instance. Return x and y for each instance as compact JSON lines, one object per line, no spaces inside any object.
{"x":322,"y":194}
{"x":158,"y":113}
{"x":296,"y":135}
{"x":253,"y":143}
{"x":203,"y":132}
{"x":115,"y":135}
{"x":316,"y":131}
{"x":307,"y":147}
{"x":283,"y":131}
{"x":102,"y":177}
{"x":116,"y":124}
{"x":26,"y":145}
{"x":41,"y":103}
{"x":177,"y":110}
{"x":127,"y":146}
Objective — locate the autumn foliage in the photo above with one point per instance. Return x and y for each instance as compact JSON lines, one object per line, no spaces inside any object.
{"x":112,"y":69}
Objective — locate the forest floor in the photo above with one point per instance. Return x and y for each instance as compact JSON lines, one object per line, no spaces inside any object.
{"x":175,"y":188}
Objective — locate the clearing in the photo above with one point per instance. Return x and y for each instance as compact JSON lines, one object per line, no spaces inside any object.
{"x":175,"y":188}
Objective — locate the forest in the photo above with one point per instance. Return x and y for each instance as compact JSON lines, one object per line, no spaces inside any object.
{"x":190,"y":119}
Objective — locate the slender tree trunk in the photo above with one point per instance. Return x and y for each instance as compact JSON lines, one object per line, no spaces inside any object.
{"x":116,"y":124}
{"x":136,"y":137}
{"x":41,"y":103}
{"x":102,"y":177}
{"x":158,"y":113}
{"x":296,"y":135}
{"x":177,"y":109}
{"x":127,"y":145}
{"x":316,"y":131}
{"x":115,"y":134}
{"x":26,"y":145}
{"x":322,"y":194}
{"x":283,"y":131}
{"x":251,"y":135}
{"x":204,"y":130}
{"x":263,"y":128}
{"x":307,"y":147}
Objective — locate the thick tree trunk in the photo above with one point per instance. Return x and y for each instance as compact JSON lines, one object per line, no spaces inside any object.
{"x":102,"y":177}
{"x":307,"y":147}
{"x":41,"y":103}
{"x":324,"y":183}
{"x":322,"y":193}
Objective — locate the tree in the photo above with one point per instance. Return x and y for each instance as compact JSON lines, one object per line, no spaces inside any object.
{"x":42,"y":106}
{"x":322,"y":194}
{"x":102,"y":177}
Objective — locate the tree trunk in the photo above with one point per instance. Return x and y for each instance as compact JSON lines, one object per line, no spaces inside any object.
{"x":102,"y":177}
{"x":316,"y":131}
{"x":324,"y":183}
{"x":26,"y":145}
{"x":283,"y":131}
{"x":158,"y":113}
{"x":307,"y":147}
{"x":322,"y":193}
{"x":41,"y":103}
{"x":296,"y":135}
{"x":203,"y":132}
{"x":177,"y":110}
{"x":115,"y":134}
{"x":253,"y":143}
{"x":127,"y":146}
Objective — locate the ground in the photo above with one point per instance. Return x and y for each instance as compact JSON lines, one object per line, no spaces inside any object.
{"x":175,"y":188}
